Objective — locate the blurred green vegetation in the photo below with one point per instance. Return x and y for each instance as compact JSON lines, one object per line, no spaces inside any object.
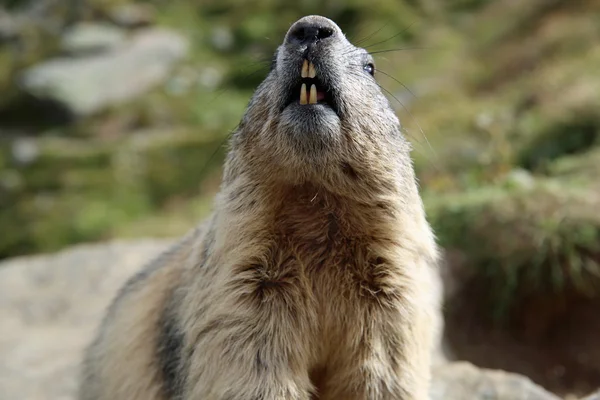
{"x":503,"y":112}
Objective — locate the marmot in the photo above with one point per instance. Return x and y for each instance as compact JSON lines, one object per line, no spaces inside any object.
{"x":313,"y":278}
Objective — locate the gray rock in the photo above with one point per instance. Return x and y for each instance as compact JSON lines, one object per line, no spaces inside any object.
{"x":222,"y":38}
{"x":593,"y":396}
{"x":463,"y":381}
{"x":9,"y":27}
{"x":210,"y":77}
{"x":49,"y":308}
{"x":133,"y":15}
{"x":87,"y":85}
{"x":25,"y":150}
{"x":520,"y":178}
{"x":86,"y":38}
{"x":51,"y":305}
{"x":11,"y":180}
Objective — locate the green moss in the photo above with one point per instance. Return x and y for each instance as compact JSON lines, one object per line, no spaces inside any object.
{"x":466,"y":5}
{"x":545,"y":238}
{"x":559,"y":140}
{"x":79,"y":190}
{"x":490,"y":96}
{"x":584,"y":166}
{"x":172,"y":221}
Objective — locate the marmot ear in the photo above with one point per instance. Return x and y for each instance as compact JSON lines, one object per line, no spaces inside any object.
{"x":274,"y":60}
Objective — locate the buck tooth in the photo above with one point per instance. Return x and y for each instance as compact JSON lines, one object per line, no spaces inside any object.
{"x":303,"y":99}
{"x":313,"y":94}
{"x":305,"y":69}
{"x":311,"y":70}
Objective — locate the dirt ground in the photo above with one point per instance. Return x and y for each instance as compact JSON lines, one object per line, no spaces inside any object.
{"x":553,"y":341}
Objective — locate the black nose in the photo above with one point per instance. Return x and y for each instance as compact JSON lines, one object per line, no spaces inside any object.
{"x":305,"y":33}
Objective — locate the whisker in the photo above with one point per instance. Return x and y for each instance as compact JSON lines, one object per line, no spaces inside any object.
{"x":351,"y":48}
{"x":262,"y":67}
{"x":371,"y":35}
{"x":383,"y":41}
{"x":390,"y":38}
{"x":377,"y":70}
{"x":390,"y":50}
{"x":413,"y":119}
{"x":403,"y":85}
{"x":262,"y":64}
{"x":400,"y":49}
{"x":351,"y":36}
{"x":217,"y":148}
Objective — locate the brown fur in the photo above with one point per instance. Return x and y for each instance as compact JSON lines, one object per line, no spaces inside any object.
{"x":313,"y":279}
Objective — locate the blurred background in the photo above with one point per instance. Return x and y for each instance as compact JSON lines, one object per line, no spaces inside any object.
{"x":114,"y":117}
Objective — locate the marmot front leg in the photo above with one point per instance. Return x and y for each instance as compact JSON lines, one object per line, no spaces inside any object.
{"x":255,"y":346}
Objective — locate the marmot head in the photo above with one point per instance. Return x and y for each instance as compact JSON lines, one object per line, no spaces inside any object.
{"x":320,"y":115}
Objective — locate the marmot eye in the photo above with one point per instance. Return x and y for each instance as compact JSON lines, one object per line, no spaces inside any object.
{"x":370,"y":68}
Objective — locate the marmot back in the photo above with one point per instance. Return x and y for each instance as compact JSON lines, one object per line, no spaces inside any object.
{"x":314,"y":278}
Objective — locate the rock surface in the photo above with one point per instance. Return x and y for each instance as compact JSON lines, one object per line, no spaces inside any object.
{"x":51,"y":305}
{"x":593,"y":396}
{"x":85,"y":85}
{"x":462,"y":381}
{"x":49,"y":308}
{"x":86,"y":38}
{"x":8,"y":26}
{"x":133,"y":15}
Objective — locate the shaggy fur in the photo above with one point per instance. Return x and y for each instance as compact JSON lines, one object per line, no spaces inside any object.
{"x":313,"y":278}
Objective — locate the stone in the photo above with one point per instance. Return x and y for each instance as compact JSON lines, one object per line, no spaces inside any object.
{"x":520,"y":178}
{"x":9,"y":27}
{"x":51,"y":305}
{"x":133,"y":15}
{"x":86,"y":38}
{"x":222,"y":38}
{"x":462,"y":380}
{"x":87,"y":85}
{"x":593,"y":396}
{"x":25,"y":151}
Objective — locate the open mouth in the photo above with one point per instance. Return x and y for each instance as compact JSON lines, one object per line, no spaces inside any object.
{"x":311,"y":90}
